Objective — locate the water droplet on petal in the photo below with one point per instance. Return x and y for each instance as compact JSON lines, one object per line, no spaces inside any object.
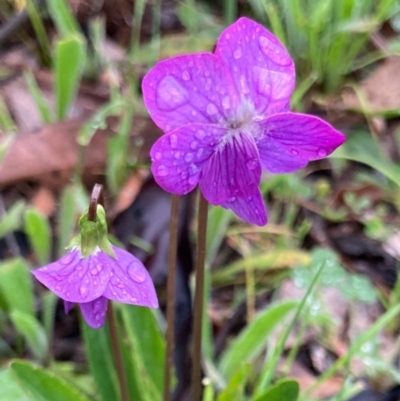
{"x":193,"y":145}
{"x":294,"y":152}
{"x":162,"y":171}
{"x":226,"y":102}
{"x":208,"y":84}
{"x":211,"y":109}
{"x":193,"y":180}
{"x":185,"y":75}
{"x":273,"y":51}
{"x":243,"y":85}
{"x":94,"y":271}
{"x":170,"y":94}
{"x":322,"y":152}
{"x":83,"y":291}
{"x":188,"y":157}
{"x":173,"y":140}
{"x":184,"y":175}
{"x":207,"y":73}
{"x":251,"y":164}
{"x":133,"y":299}
{"x":158,"y":155}
{"x":214,"y":184}
{"x":136,"y":272}
{"x":194,"y":113}
{"x":199,"y":153}
{"x":200,"y":134}
{"x":232,"y":199}
{"x":237,"y":54}
{"x":177,"y":155}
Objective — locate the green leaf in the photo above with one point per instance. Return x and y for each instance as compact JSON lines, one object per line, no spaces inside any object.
{"x":38,"y":230}
{"x":33,"y":333}
{"x":251,"y":341}
{"x":287,"y":390}
{"x":361,"y":147}
{"x":234,"y":391}
{"x":38,"y":97}
{"x":12,"y":220}
{"x":10,"y":388}
{"x":63,"y":18}
{"x":44,"y":385}
{"x":148,"y":347}
{"x":100,"y":357}
{"x":68,"y":63}
{"x":16,"y":285}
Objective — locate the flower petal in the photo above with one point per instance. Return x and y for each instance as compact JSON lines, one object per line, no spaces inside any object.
{"x":261,"y":67}
{"x":94,"y":312}
{"x":250,"y":209}
{"x":303,"y":136}
{"x":76,"y":279}
{"x":130,"y":281}
{"x":277,"y":159}
{"x":188,"y":89}
{"x":233,"y":171}
{"x":179,"y":156}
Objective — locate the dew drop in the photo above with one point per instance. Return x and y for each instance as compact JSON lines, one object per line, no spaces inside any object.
{"x":190,"y":64}
{"x":214,"y":184}
{"x":177,"y":155}
{"x":208,"y":84}
{"x":237,"y":54}
{"x":170,"y":94}
{"x":273,"y":51}
{"x":194,"y":113}
{"x":83,"y":291}
{"x":227,"y":36}
{"x":294,"y":152}
{"x":231,"y":200}
{"x":211,"y":110}
{"x":95,"y":282}
{"x":136,"y":272}
{"x":193,"y":180}
{"x":185,"y":75}
{"x":188,"y":157}
{"x":207,"y":73}
{"x":158,"y":156}
{"x":162,"y":171}
{"x":226,"y":102}
{"x":173,"y":140}
{"x":243,"y":85}
{"x":199,"y":153}
{"x":133,"y":299}
{"x":58,"y":288}
{"x":322,"y":152}
{"x":184,"y":175}
{"x":193,"y":145}
{"x":200,"y":134}
{"x":251,"y":164}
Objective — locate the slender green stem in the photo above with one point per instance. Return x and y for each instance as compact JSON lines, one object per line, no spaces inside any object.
{"x":199,"y":295}
{"x":171,"y":281}
{"x":117,"y":353}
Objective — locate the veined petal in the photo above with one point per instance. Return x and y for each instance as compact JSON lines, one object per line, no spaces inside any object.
{"x":251,"y":209}
{"x":302,"y":136}
{"x":233,"y":171}
{"x":178,"y":157}
{"x":277,"y":159}
{"x":76,"y":279}
{"x":130,"y":282}
{"x":261,"y":68}
{"x":94,"y":312}
{"x":188,"y":89}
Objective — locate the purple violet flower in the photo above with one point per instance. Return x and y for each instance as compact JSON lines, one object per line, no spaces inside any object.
{"x":91,"y":281}
{"x":226,"y":116}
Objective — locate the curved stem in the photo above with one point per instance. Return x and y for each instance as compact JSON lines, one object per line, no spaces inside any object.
{"x":171,"y":282}
{"x":199,"y":296}
{"x":94,"y":201}
{"x":117,"y":353}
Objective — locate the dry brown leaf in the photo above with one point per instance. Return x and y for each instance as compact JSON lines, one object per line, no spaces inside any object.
{"x":44,"y":201}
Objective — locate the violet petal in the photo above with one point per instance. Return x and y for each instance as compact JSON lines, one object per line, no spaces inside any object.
{"x":233,"y":171}
{"x":94,"y":312}
{"x":261,"y":67}
{"x":251,"y":209}
{"x":179,"y":156}
{"x":76,"y":279}
{"x":188,"y":89}
{"x":130,"y":282}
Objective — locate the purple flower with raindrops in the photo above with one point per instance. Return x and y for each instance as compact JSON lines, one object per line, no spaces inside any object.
{"x":93,"y":280}
{"x":226,"y":117}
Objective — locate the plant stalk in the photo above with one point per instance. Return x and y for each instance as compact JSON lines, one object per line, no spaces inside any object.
{"x":117,"y":353}
{"x":171,"y":284}
{"x":199,"y":298}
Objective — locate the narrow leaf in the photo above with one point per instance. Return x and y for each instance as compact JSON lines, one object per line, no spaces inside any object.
{"x":287,"y":390}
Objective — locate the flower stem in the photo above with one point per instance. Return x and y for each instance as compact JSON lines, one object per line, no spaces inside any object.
{"x":94,"y":201}
{"x":171,"y":282}
{"x":199,"y":296}
{"x":117,"y":353}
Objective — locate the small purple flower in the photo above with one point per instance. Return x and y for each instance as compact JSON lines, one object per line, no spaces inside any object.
{"x":91,"y":281}
{"x":225,"y":117}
